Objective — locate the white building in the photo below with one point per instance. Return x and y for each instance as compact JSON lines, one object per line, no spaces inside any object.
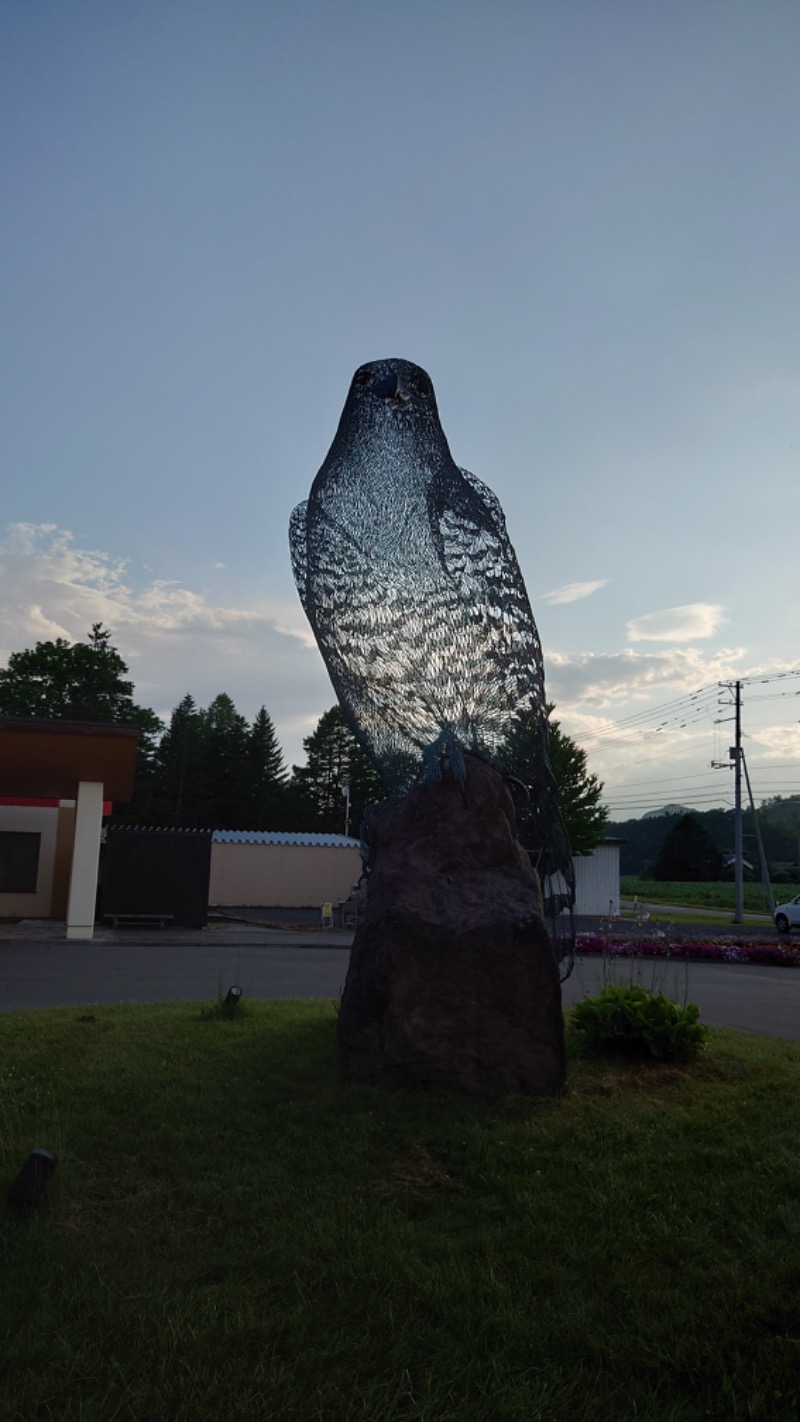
{"x":597,"y":881}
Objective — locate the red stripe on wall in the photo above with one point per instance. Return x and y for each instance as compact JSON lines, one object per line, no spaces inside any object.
{"x":29,"y":804}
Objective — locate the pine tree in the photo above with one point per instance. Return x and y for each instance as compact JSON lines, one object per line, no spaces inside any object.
{"x":688,"y":854}
{"x":334,"y":759}
{"x":182,"y":794}
{"x":268,"y":776}
{"x":228,"y":766}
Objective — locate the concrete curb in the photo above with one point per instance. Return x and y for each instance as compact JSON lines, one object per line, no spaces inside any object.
{"x":226,"y":935}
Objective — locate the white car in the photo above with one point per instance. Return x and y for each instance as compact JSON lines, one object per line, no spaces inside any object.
{"x":787,"y":916}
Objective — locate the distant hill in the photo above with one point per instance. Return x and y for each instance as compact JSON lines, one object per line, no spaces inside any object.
{"x":643,"y":837}
{"x":667,"y":810}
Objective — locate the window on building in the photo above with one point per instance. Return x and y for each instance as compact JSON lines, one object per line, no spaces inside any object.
{"x":19,"y":862}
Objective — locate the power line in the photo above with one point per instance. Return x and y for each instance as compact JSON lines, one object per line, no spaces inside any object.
{"x":647,"y":794}
{"x":680,"y":713}
{"x":620,"y":730}
{"x":669,"y":779}
{"x":772,"y":696}
{"x":618,"y":814}
{"x":678,"y":785}
{"x":634,"y":734}
{"x":672,"y":795}
{"x":637,"y":721}
{"x":778,"y":766}
{"x":631,"y":802}
{"x":774,"y":676}
{"x":641,"y":718}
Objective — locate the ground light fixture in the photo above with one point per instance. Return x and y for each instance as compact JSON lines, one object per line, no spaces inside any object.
{"x":233,"y":995}
{"x":28,"y":1189}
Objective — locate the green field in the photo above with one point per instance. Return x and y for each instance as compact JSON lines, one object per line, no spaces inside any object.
{"x":232,"y":1234}
{"x":704,"y":895}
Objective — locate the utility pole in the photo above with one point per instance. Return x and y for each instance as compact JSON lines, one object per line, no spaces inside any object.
{"x":736,"y":757}
{"x":759,"y":841}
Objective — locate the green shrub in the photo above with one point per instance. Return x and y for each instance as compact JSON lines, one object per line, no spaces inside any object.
{"x":630,"y":1021}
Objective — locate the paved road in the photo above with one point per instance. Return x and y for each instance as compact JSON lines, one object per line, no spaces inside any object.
{"x":54,"y":974}
{"x":35,"y":973}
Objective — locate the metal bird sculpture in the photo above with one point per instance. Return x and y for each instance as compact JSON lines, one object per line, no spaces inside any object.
{"x":413,"y":591}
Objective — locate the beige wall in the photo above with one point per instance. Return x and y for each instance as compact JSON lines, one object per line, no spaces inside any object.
{"x":281,"y":875}
{"x":29,"y":819}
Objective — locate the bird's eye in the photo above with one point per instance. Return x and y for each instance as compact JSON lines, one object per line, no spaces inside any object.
{"x":362,"y":377}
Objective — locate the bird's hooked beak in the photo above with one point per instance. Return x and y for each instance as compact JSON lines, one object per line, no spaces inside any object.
{"x":392,"y":388}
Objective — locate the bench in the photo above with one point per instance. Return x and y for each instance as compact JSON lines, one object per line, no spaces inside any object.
{"x":162,"y":919}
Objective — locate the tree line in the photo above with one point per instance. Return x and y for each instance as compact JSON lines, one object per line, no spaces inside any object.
{"x":700,"y":844}
{"x":211,"y":768}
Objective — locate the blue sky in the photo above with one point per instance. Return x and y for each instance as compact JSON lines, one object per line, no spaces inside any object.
{"x":583,"y":219}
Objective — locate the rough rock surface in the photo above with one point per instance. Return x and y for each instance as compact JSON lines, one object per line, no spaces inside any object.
{"x":452,"y":979}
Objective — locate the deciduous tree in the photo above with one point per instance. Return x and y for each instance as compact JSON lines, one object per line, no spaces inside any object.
{"x":80,"y":681}
{"x":580,"y":792}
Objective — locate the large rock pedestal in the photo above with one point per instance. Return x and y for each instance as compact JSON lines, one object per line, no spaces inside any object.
{"x":452,"y":979}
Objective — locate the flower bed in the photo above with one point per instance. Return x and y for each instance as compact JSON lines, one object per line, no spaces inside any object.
{"x":708,"y":950}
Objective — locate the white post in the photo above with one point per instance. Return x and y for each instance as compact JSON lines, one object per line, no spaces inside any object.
{"x":85,"y":860}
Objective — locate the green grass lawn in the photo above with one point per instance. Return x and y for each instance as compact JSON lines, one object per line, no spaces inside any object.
{"x":232,"y":1234}
{"x":705,"y":895}
{"x":682,"y":919}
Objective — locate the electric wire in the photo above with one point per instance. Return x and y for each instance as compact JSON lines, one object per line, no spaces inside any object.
{"x":703,"y":696}
{"x":640,"y":719}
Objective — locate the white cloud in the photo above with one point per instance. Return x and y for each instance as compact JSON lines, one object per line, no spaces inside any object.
{"x":778,"y":742}
{"x":649,"y":737}
{"x":173,"y":639}
{"x":677,"y":624}
{"x":611,"y":679}
{"x":572,"y":592}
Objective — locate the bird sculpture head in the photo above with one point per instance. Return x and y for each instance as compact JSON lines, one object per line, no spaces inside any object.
{"x":390,"y":403}
{"x":395,"y":384}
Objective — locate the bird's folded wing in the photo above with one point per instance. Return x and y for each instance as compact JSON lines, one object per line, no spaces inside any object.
{"x":298,"y":547}
{"x":479,"y":559}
